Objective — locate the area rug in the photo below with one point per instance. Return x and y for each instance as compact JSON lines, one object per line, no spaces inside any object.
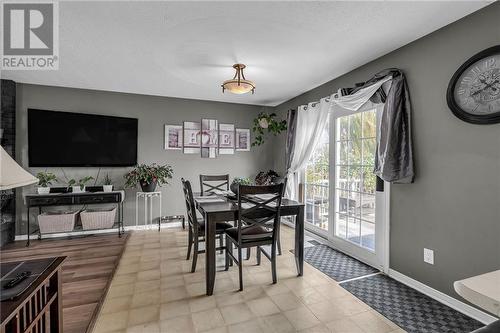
{"x":409,"y":309}
{"x":335,"y":264}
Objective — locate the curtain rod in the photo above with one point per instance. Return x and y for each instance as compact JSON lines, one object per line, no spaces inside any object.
{"x":313,"y":104}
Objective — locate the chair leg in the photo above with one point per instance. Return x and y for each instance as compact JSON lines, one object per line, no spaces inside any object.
{"x":258,"y":255}
{"x":221,"y":243}
{"x":248,"y":253}
{"x":229,"y":248}
{"x":183,"y":223}
{"x":273,"y":263}
{"x":240,"y":268}
{"x":190,"y":242}
{"x":195,"y":253}
{"x":228,"y":245}
{"x":279,"y":240}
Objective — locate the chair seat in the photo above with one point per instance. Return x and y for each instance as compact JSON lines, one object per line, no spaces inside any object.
{"x":250,"y":233}
{"x":221,"y":226}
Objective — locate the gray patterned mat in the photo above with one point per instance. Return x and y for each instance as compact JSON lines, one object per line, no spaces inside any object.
{"x":335,"y":264}
{"x":408,"y":308}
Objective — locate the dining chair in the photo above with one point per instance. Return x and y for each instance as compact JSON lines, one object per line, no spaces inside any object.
{"x":221,"y":183}
{"x":257,"y":225}
{"x":278,"y":236}
{"x":196,"y":232}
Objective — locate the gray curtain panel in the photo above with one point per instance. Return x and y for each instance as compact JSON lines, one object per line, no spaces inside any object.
{"x":290,"y":136}
{"x":394,"y":156}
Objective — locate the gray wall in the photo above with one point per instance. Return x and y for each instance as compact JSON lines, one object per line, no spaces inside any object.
{"x":153,"y":113}
{"x":454,"y":205}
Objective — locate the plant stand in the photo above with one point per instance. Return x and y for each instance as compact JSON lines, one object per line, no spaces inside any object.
{"x":148,"y":209}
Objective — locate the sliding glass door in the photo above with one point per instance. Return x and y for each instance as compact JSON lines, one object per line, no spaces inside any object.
{"x":340,"y":194}
{"x":316,"y":186}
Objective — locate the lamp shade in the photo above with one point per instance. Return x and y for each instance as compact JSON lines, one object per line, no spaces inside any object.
{"x":11,"y":174}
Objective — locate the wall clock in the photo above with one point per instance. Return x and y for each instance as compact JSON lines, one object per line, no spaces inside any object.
{"x":474,"y":91}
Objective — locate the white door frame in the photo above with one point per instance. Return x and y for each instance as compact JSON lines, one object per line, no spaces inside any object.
{"x":380,"y":258}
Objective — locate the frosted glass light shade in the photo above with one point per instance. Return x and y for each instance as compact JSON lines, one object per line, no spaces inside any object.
{"x":11,"y":174}
{"x":241,"y":87}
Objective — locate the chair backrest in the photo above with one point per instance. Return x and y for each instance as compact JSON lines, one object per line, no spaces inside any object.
{"x":260,"y":205}
{"x":221,"y":183}
{"x":190,"y":206}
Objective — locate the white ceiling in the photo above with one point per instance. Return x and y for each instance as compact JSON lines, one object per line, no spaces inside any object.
{"x":186,"y":49}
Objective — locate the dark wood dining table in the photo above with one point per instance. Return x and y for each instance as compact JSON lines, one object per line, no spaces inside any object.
{"x":227,"y":210}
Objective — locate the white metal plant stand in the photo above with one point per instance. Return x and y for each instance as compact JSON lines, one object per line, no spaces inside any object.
{"x":148,"y":209}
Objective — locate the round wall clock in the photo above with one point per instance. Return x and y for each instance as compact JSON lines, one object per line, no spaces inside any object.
{"x":474,"y":91}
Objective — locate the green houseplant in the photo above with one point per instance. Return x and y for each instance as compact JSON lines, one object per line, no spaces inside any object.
{"x":149,"y":176}
{"x":79,"y":186}
{"x":45,"y":179}
{"x":266,"y":122}
{"x":237,"y":181}
{"x":107,"y":184}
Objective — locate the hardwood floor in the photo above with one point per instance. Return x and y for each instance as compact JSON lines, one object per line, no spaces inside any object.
{"x":87,"y":272}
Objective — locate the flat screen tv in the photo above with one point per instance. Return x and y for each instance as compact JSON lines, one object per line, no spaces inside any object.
{"x":64,"y":139}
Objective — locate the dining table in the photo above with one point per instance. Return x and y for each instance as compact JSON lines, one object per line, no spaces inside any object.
{"x":221,"y":208}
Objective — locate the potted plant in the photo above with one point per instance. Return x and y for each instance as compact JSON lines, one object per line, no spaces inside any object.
{"x":44,"y":180}
{"x":107,"y":184}
{"x":268,"y":178}
{"x":237,"y":181}
{"x":79,"y":186}
{"x":266,"y":123}
{"x":149,"y":176}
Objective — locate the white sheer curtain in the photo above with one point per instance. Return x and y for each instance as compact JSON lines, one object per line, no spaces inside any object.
{"x":360,"y":99}
{"x":311,"y":121}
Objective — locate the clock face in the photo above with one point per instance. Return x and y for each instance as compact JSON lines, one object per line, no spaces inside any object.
{"x":477,"y":89}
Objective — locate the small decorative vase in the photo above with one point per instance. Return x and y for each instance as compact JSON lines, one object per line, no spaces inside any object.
{"x":77,"y":189}
{"x":148,"y":187}
{"x":43,"y":190}
{"x":107,"y":188}
{"x":234,"y":188}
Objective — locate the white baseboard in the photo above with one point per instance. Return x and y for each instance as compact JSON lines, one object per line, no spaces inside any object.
{"x":92,"y":232}
{"x":453,"y":303}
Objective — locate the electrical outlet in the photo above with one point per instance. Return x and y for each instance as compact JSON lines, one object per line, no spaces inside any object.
{"x":429,"y":256}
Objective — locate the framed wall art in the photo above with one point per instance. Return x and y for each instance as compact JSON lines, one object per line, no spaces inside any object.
{"x":191,"y":137}
{"x":209,"y":138}
{"x":242,"y":139}
{"x":173,"y":137}
{"x":226,"y":139}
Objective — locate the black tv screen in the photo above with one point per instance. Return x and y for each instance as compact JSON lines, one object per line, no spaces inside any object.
{"x":58,"y":139}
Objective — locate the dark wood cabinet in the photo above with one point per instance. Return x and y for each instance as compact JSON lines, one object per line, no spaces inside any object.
{"x":39,"y":307}
{"x":8,"y":142}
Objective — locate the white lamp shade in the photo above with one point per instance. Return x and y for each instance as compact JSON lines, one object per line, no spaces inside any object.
{"x":11,"y":174}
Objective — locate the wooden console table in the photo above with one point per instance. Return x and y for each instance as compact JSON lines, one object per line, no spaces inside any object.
{"x":39,"y":307}
{"x":69,"y":199}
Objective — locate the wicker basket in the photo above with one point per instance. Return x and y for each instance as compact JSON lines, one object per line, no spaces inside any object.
{"x":52,"y":222}
{"x":98,"y":218}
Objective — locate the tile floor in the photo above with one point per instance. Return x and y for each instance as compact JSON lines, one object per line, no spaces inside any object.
{"x":154,"y":291}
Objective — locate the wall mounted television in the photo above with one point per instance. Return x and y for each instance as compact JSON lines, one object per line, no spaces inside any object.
{"x":65,"y":139}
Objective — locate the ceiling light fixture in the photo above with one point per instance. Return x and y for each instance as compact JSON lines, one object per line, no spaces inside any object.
{"x":238,"y":84}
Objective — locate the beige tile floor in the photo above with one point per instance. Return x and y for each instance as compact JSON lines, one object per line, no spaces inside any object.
{"x":154,"y":291}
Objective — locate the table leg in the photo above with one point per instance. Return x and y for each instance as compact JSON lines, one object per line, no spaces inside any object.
{"x":28,"y":228}
{"x":151,"y":213}
{"x":121,"y":216}
{"x":209,"y":254}
{"x":299,"y":241}
{"x":136,"y":211}
{"x":159,"y":216}
{"x":145,"y":212}
{"x":119,"y":219}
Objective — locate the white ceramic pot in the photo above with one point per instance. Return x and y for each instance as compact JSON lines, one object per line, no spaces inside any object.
{"x":107,"y":188}
{"x":43,"y":190}
{"x":77,"y":189}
